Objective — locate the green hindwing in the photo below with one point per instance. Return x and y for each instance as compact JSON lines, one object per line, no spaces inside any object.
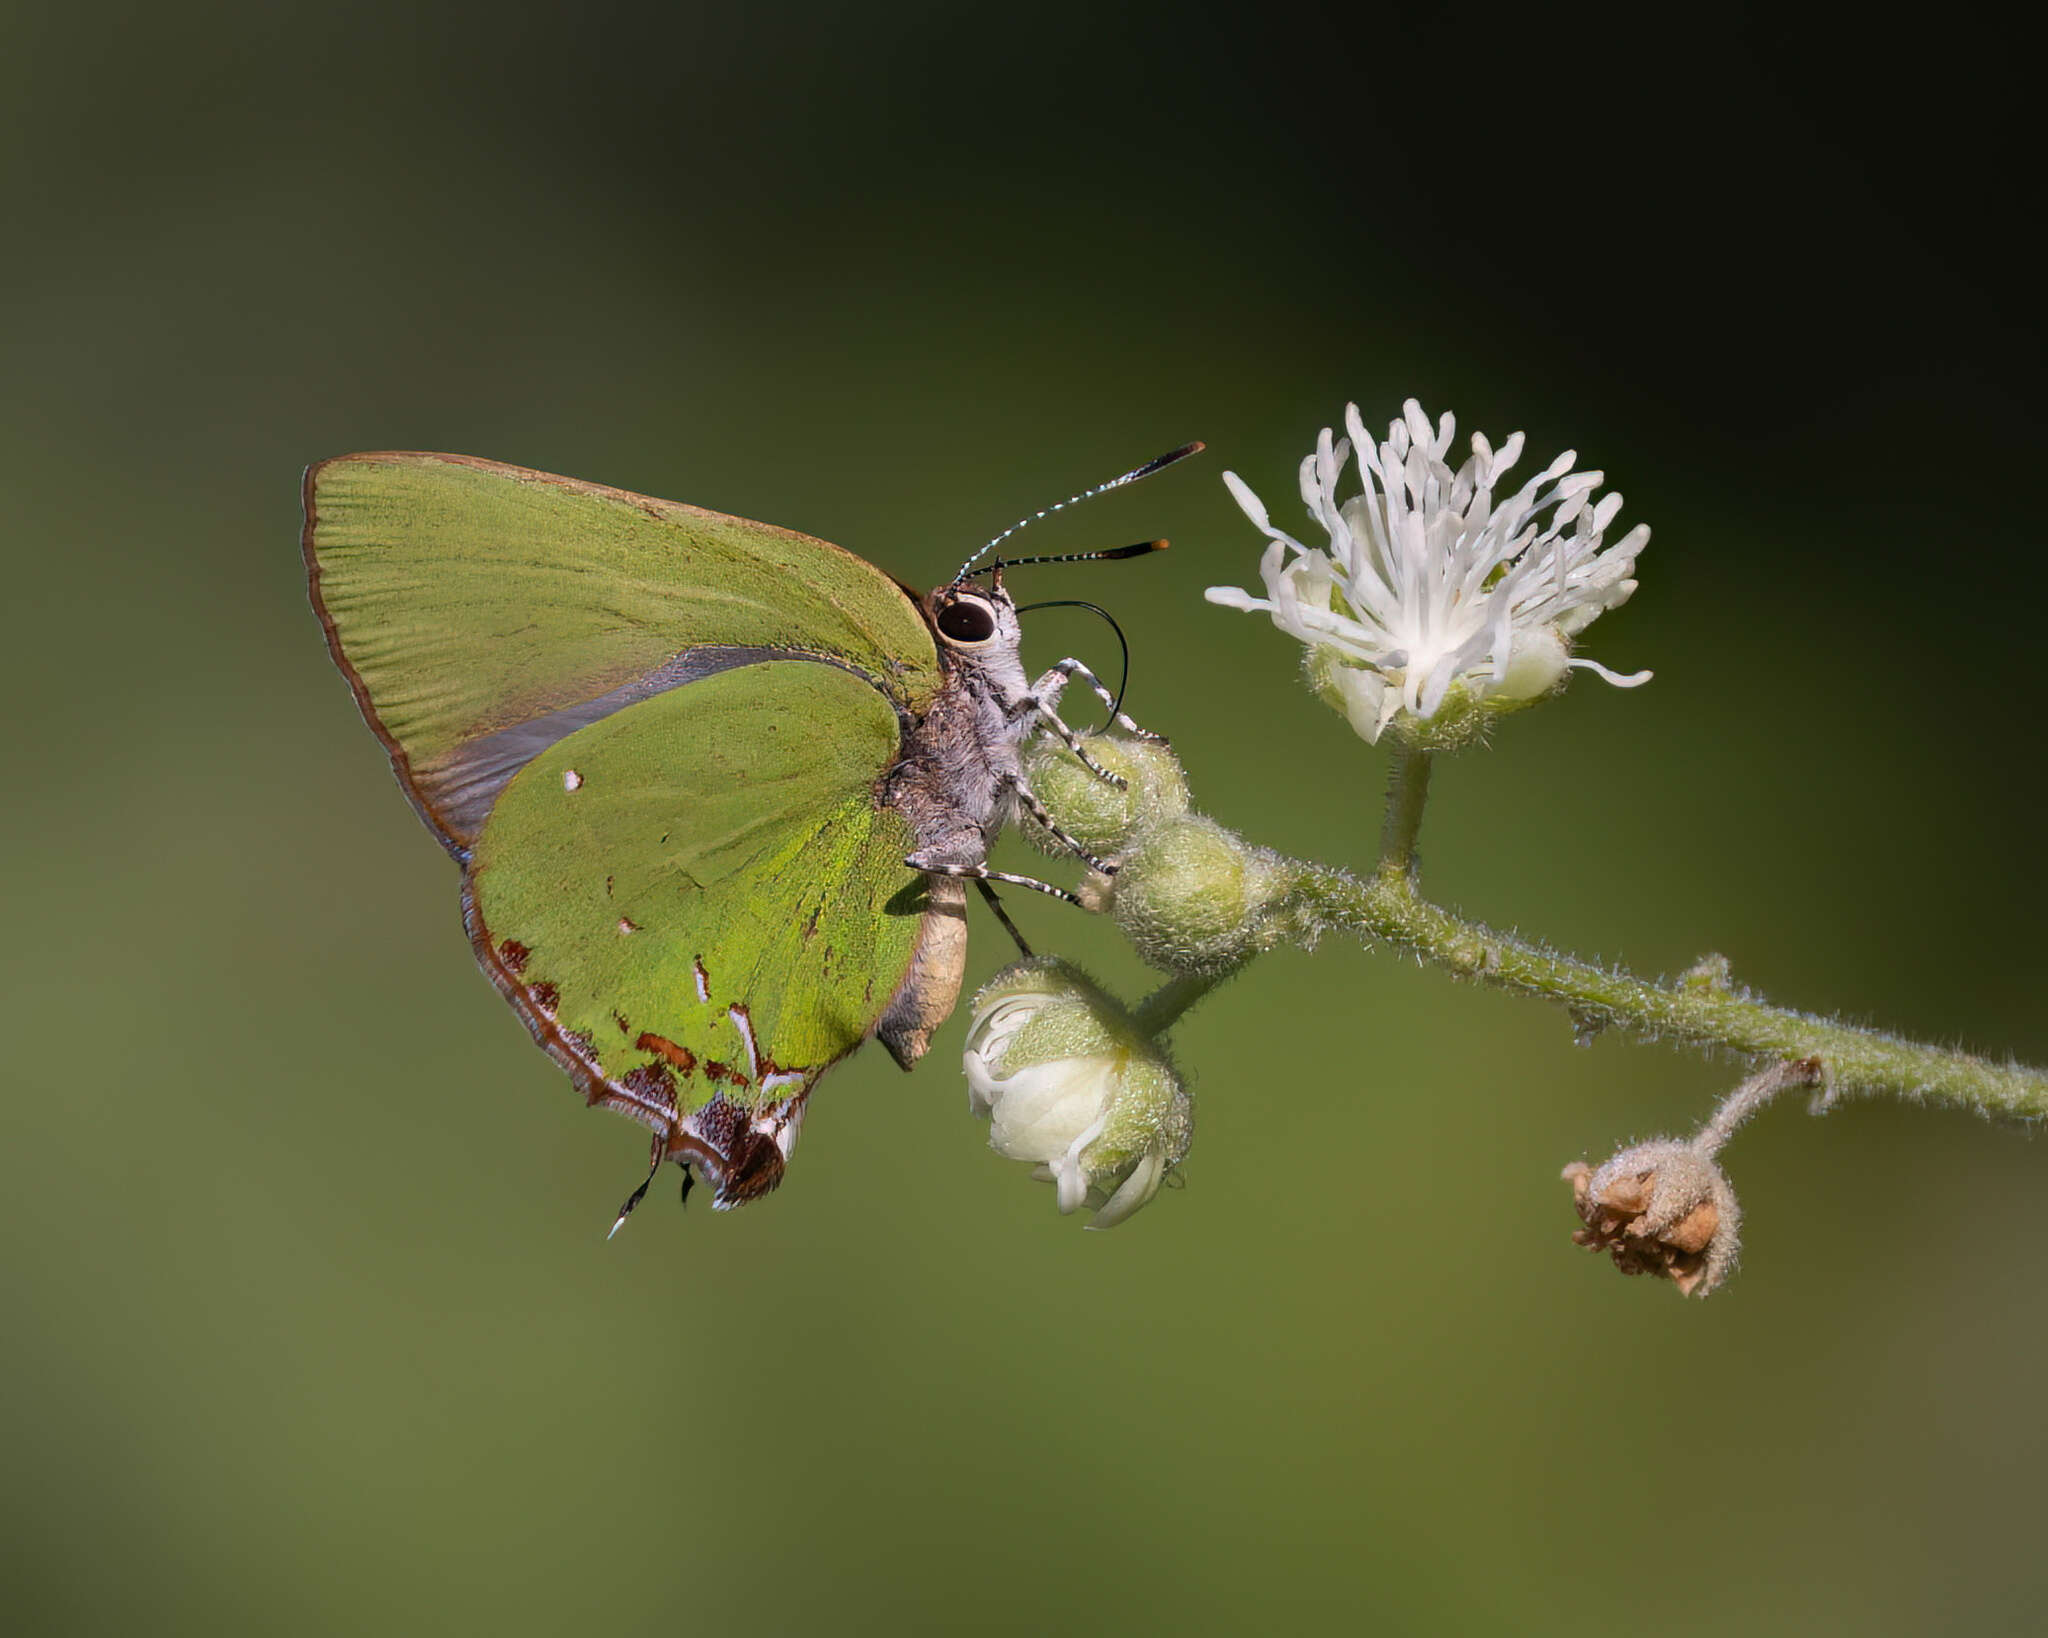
{"x":483,"y":612}
{"x":698,"y":904}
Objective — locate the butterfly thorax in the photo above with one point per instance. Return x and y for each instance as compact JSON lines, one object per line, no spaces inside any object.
{"x":961,"y":760}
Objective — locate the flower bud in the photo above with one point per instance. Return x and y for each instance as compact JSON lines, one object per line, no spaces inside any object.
{"x":1191,"y":896}
{"x":1101,"y":816}
{"x":1070,"y":1082}
{"x":1663,"y":1208}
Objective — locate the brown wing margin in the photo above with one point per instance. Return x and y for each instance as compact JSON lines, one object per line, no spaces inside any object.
{"x":722,"y":1139}
{"x":401,"y":764}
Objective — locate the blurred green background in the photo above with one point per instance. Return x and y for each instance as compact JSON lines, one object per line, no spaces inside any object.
{"x":310,"y":1322}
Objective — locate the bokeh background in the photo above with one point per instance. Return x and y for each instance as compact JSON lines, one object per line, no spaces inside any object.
{"x":309,"y":1322}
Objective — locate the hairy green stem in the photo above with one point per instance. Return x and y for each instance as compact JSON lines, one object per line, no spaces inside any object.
{"x":1407,"y":795}
{"x":1700,"y":1007}
{"x":1162,"y":1009}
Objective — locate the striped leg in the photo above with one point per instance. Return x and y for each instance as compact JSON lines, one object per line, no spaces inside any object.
{"x":982,"y":873}
{"x":1028,"y":799}
{"x":1050,"y":686}
{"x":1047,"y":718}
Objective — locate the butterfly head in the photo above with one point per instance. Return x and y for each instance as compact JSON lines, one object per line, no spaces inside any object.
{"x":979,"y":619}
{"x":975,"y":620}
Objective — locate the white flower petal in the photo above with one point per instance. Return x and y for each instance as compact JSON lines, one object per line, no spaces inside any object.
{"x":1633,"y":679}
{"x":1133,"y":1192}
{"x":1248,"y":502}
{"x":1069,"y":1172}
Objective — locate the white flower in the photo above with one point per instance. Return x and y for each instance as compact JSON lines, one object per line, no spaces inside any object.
{"x":1431,"y":589}
{"x":1070,"y":1082}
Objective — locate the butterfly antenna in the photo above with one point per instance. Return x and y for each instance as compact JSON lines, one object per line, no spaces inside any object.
{"x":1122,"y":644}
{"x":640,"y":1193}
{"x":1157,"y":463}
{"x":1140,"y":549}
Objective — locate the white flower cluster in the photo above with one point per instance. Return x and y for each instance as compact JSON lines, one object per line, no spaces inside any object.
{"x":1432,"y":589}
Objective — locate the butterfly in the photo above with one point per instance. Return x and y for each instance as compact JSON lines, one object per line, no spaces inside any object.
{"x":716,"y":788}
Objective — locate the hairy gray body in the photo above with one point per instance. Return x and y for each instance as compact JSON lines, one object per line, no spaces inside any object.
{"x":963,"y":764}
{"x":961,"y":780}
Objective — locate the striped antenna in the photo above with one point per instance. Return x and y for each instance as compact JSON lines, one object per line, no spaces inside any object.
{"x":1155,"y":464}
{"x":1108,"y":556}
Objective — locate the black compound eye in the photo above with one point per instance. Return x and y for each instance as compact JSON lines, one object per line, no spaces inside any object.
{"x":967,"y":620}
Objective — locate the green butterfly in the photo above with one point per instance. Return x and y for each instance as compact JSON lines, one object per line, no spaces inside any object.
{"x":716,"y":787}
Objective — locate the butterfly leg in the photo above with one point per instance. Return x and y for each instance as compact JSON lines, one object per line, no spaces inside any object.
{"x":1049,"y":687}
{"x":1003,"y":916}
{"x":1032,"y":705}
{"x":1028,"y":800}
{"x":931,"y":861}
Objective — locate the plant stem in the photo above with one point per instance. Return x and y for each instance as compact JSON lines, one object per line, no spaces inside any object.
{"x":1700,"y":1008}
{"x":1162,"y":1009}
{"x":1407,"y":795}
{"x":1751,"y":1096}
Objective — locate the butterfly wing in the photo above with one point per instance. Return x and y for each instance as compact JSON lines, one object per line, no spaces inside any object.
{"x":482,"y":611}
{"x":699,"y":904}
{"x":656,"y":739}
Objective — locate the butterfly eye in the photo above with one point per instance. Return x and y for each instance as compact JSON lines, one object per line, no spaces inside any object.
{"x":967,"y":620}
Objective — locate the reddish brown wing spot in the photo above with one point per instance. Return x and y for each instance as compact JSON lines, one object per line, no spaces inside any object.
{"x":681,"y":1056}
{"x":514,"y":955}
{"x":546,"y":996}
{"x":619,"y":1018}
{"x":653,"y":1083}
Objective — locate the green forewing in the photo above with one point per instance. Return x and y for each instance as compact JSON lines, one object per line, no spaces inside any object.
{"x":466,"y":599}
{"x":718,"y":845}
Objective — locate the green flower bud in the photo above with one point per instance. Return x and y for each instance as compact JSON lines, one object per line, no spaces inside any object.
{"x":1101,"y":816}
{"x":1191,"y":896}
{"x":1070,"y":1082}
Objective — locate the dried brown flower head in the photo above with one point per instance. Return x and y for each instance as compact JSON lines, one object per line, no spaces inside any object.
{"x":1660,"y":1208}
